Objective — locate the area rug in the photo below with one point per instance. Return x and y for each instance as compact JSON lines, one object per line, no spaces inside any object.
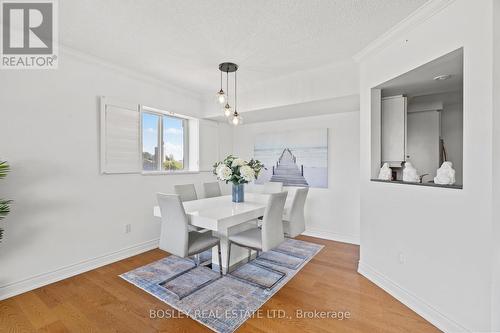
{"x":222,"y":303}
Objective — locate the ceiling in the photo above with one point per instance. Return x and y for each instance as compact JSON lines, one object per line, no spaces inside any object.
{"x":420,"y":81}
{"x":183,"y":41}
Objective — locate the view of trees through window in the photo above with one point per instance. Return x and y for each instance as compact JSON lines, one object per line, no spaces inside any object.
{"x":170,"y":130}
{"x":150,"y":127}
{"x":173,"y":143}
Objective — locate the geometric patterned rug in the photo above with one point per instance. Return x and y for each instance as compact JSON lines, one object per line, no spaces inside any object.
{"x":222,"y":303}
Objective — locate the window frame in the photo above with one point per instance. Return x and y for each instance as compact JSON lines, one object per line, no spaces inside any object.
{"x":185,"y":126}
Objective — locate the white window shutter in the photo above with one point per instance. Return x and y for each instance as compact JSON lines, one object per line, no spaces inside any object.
{"x":120,"y":137}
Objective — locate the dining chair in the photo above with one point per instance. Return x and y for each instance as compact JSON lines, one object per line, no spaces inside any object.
{"x":175,"y":237}
{"x":272,"y":187}
{"x":271,"y":234}
{"x":212,"y":190}
{"x":187,"y":192}
{"x":268,"y":188}
{"x":294,"y":221}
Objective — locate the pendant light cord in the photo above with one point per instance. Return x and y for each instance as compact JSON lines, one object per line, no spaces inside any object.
{"x":235,"y":93}
{"x":227,"y":86}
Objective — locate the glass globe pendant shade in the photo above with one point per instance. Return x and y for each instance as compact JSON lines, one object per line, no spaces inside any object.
{"x":228,"y":110}
{"x":221,"y":97}
{"x":236,"y":119}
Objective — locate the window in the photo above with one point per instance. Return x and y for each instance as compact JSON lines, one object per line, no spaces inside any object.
{"x":173,"y":143}
{"x":150,"y":130}
{"x":138,"y":139}
{"x":164,"y":142}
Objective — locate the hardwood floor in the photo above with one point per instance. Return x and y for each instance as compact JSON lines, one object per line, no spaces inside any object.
{"x":100,"y":301}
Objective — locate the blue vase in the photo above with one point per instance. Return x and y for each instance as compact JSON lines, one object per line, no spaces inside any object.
{"x":238,"y":193}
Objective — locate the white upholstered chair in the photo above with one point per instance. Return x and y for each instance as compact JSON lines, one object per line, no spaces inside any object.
{"x":175,"y":237}
{"x":187,"y":192}
{"x":269,"y":188}
{"x":272,"y":187}
{"x":271,"y":234}
{"x":212,"y":190}
{"x":294,"y":221}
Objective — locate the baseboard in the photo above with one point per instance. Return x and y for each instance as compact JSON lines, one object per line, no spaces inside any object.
{"x":325,"y":234}
{"x":435,"y":317}
{"x":40,"y":280}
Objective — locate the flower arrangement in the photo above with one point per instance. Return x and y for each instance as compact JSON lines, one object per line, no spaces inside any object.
{"x":237,"y":170}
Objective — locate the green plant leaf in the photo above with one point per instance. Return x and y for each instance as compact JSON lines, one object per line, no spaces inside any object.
{"x":4,"y":169}
{"x":4,"y":208}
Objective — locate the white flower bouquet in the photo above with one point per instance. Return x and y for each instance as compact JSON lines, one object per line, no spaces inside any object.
{"x":237,"y":170}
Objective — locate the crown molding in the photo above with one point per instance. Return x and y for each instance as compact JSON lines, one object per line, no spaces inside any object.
{"x":65,"y":50}
{"x":419,"y":16}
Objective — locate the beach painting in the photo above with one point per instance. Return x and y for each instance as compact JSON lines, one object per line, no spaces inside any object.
{"x":294,"y":158}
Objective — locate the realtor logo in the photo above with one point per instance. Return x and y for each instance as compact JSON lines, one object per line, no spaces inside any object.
{"x":29,"y":34}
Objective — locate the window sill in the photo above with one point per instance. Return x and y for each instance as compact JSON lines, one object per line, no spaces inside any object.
{"x":456,"y":187}
{"x":159,"y":173}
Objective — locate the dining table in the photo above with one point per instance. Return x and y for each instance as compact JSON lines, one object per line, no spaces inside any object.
{"x":223,"y":217}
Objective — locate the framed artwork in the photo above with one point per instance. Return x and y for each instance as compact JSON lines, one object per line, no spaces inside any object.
{"x":295,"y":157}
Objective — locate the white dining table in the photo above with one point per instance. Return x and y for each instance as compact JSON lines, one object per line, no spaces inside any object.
{"x":224,"y":217}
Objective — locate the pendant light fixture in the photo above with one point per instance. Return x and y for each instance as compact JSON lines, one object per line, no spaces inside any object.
{"x":221,"y":97}
{"x":232,"y":115}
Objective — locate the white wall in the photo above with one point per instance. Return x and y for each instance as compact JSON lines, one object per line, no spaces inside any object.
{"x":495,"y":263}
{"x":333,"y":212}
{"x":442,"y":235}
{"x":65,"y":212}
{"x":452,"y":118}
{"x":451,"y":126}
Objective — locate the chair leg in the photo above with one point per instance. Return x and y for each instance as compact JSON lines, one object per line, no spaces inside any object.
{"x":228,"y":256}
{"x":197,"y":259}
{"x":258,"y":252}
{"x":249,"y":255}
{"x":220,"y":259}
